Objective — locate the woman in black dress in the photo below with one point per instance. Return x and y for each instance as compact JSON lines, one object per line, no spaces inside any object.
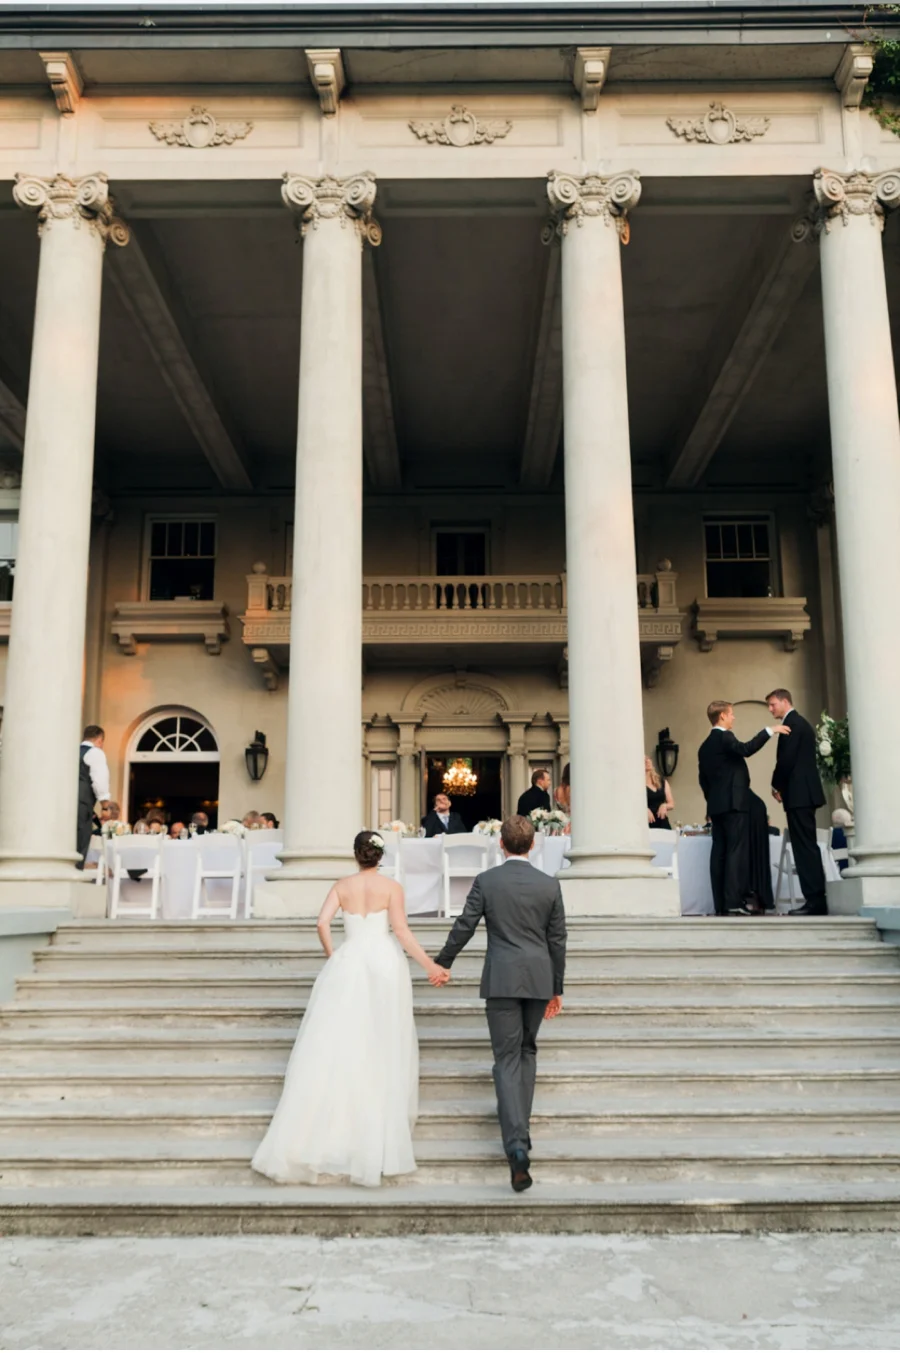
{"x":659,"y":797}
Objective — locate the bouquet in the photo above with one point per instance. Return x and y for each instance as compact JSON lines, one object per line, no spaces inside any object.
{"x":550,"y":821}
{"x":833,"y":749}
{"x":233,"y":828}
{"x":115,"y":828}
{"x":490,"y":826}
{"x":401,"y":828}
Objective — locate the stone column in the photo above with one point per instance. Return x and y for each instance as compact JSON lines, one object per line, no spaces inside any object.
{"x":408,"y":768}
{"x":323,"y":792}
{"x":865,"y":451}
{"x":611,"y":871}
{"x":42,"y":705}
{"x":518,"y":756}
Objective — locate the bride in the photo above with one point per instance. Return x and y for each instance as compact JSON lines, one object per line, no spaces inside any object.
{"x":351,"y":1090}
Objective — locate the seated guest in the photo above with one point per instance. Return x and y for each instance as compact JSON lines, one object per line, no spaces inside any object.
{"x":841,"y":823}
{"x":538,"y":796}
{"x":200,"y":823}
{"x":175,"y":830}
{"x":141,"y":827}
{"x":251,"y":821}
{"x":441,"y":820}
{"x":270,"y":822}
{"x":659,"y":797}
{"x":563,"y":792}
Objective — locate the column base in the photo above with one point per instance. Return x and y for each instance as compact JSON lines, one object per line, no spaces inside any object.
{"x":853,"y":894}
{"x":584,"y":895}
{"x":16,"y":893}
{"x":279,"y":898}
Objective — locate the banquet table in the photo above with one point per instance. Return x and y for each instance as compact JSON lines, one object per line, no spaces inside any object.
{"x":421,"y":865}
{"x":179,"y":868}
{"x":693,"y":873}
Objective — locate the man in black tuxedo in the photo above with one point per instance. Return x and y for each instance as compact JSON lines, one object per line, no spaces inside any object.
{"x":796,"y":785}
{"x":441,"y":820}
{"x":725,"y":782}
{"x":538,"y":796}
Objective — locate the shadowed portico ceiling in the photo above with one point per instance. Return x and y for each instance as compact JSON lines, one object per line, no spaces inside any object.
{"x":462,"y":286}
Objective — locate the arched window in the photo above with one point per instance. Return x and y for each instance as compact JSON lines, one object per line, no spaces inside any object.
{"x":176,"y":734}
{"x":173,"y":766}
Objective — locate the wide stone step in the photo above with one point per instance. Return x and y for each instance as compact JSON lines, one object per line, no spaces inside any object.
{"x":663,"y":933}
{"x":152,"y":1047}
{"x":476,"y":1119}
{"x":460,"y":1082}
{"x":581,"y":959}
{"x":670,"y":1010}
{"x":655,"y":1206}
{"x":225,"y":1162}
{"x":720,"y":989}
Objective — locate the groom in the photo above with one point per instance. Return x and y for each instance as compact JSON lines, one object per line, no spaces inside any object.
{"x":522,"y":980}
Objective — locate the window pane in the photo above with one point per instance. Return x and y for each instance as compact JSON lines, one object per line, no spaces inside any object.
{"x":173,"y":538}
{"x":191,"y":537}
{"x":208,"y":537}
{"x":761,"y":539}
{"x":446,"y":550}
{"x":205,"y":741}
{"x":729,"y":540}
{"x":745,"y":540}
{"x":158,"y":538}
{"x":174,"y":578}
{"x":713,"y":543}
{"x":740,"y":578}
{"x":473,"y":561}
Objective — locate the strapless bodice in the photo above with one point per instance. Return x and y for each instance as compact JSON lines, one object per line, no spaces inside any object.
{"x":374,"y":925}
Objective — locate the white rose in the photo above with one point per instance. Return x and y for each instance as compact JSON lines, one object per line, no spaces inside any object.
{"x":825,"y":747}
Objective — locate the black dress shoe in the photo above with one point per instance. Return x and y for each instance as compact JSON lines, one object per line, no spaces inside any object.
{"x":519,"y":1166}
{"x":810,"y":909}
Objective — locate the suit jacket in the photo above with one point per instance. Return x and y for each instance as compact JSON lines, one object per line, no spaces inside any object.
{"x":526,"y":932}
{"x":724,"y":777}
{"x":531,"y":799}
{"x":435,"y":827}
{"x":796,"y":776}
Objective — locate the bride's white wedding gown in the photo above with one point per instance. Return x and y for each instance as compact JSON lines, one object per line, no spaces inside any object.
{"x":351,"y":1090}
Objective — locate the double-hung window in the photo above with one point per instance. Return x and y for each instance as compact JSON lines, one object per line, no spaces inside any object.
{"x":182,"y":559}
{"x":740,"y":556}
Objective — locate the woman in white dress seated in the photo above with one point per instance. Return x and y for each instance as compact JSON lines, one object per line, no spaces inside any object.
{"x":351,"y":1090}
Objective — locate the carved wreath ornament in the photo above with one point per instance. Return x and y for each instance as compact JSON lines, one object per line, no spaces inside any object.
{"x":461,"y":128}
{"x":200,"y":130}
{"x":719,"y":127}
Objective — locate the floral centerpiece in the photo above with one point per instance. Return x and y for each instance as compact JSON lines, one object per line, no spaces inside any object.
{"x":115,"y":828}
{"x":401,"y":828}
{"x":233,"y":828}
{"x":490,"y":826}
{"x":550,"y":821}
{"x":833,"y":754}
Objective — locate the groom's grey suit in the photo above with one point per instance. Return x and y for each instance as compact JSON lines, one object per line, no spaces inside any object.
{"x":524,"y":966}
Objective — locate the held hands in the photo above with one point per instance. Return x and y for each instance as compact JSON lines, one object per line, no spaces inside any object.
{"x":554,"y":1007}
{"x":438,"y":976}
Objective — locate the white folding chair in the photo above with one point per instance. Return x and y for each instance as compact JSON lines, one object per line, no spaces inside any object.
{"x":131,"y":853}
{"x":391,"y":864}
{"x":219,"y":857}
{"x":261,"y":858}
{"x":786,"y":864}
{"x":464,"y":855}
{"x":664,"y":844}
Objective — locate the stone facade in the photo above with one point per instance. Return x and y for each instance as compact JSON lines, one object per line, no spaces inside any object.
{"x":345,"y":237}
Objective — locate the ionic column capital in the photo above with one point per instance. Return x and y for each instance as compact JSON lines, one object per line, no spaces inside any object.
{"x":347,"y":200}
{"x":84,"y":200}
{"x":839,"y":197}
{"x":592,"y":197}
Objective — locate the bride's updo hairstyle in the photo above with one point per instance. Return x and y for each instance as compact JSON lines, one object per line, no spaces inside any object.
{"x":368,"y":847}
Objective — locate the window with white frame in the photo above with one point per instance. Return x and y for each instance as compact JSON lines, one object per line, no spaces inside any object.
{"x":740,"y":555}
{"x":181,"y":559}
{"x":382,"y":794}
{"x":9,"y":539}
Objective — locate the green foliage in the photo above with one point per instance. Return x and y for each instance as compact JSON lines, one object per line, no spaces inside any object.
{"x":884,"y":82}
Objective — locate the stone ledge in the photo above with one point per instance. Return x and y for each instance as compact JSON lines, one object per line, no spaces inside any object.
{"x":783,"y":618}
{"x":164,"y":620}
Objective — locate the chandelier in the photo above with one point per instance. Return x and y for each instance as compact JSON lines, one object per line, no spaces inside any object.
{"x":459,"y":777}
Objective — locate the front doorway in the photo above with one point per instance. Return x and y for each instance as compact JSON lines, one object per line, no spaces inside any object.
{"x":173,"y":765}
{"x":487,"y":800}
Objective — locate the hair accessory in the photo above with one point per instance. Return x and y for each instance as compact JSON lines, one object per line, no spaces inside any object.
{"x":376,"y":841}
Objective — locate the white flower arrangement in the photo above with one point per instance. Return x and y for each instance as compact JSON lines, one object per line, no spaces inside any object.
{"x":232,"y":827}
{"x":490,"y":826}
{"x":401,"y":828}
{"x":115,"y":828}
{"x":376,"y":841}
{"x":550,"y":821}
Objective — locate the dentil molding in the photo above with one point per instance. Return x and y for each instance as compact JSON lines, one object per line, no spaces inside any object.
{"x":719,"y":127}
{"x":329,"y":199}
{"x":199,"y":130}
{"x":461,"y":128}
{"x":580,"y":199}
{"x":79,"y":200}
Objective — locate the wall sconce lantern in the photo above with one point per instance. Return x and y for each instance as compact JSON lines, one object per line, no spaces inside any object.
{"x":666,"y":754}
{"x":257,"y":756}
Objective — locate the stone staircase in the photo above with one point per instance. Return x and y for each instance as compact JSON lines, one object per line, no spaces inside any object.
{"x":706,"y":1075}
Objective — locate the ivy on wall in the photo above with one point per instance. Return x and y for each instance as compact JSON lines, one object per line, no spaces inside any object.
{"x":884,"y":82}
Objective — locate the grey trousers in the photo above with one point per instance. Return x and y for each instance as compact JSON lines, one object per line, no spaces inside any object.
{"x":513,"y":1024}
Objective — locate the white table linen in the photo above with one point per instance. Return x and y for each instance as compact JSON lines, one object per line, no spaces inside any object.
{"x":421,"y":865}
{"x":179,"y":870}
{"x":693,"y":873}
